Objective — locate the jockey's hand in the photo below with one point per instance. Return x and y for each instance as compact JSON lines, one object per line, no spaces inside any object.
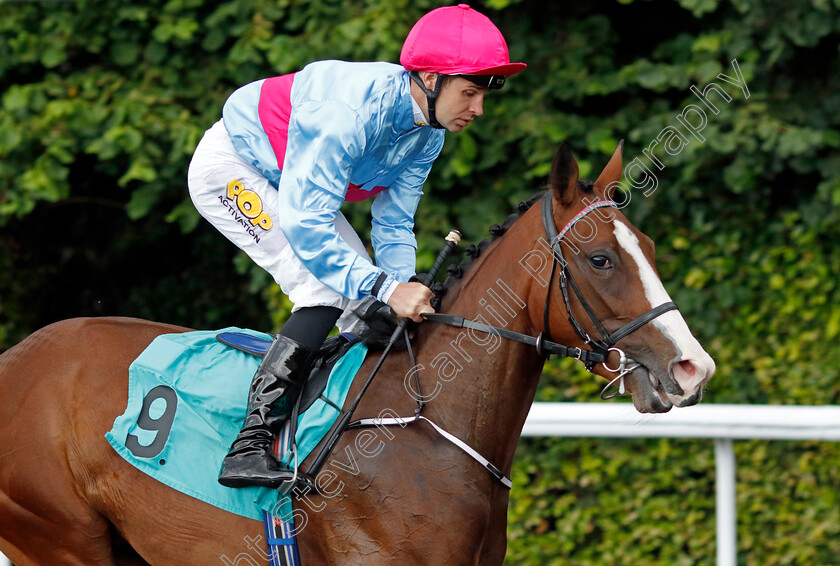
{"x":410,"y":300}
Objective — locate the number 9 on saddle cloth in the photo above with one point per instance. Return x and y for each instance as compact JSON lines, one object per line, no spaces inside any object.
{"x":196,"y":386}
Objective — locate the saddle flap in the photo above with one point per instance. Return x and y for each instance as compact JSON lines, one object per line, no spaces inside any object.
{"x":333,"y":349}
{"x":322,"y":362}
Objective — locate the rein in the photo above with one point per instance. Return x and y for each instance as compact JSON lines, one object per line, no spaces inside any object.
{"x":600,"y":349}
{"x":544,"y":347}
{"x":598,"y":354}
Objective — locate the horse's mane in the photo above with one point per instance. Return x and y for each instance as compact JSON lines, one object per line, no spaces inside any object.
{"x":457,"y":271}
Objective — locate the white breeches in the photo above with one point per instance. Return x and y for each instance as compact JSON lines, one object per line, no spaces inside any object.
{"x":235,"y":198}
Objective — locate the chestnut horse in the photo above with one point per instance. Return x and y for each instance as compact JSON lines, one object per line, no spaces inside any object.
{"x":396,"y":495}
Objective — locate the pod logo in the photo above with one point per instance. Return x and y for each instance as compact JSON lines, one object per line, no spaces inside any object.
{"x":249,"y":204}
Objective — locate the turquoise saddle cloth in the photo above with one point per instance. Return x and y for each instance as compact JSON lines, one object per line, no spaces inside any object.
{"x":187,"y":396}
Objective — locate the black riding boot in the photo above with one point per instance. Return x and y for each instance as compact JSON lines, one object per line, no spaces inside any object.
{"x":281,"y":373}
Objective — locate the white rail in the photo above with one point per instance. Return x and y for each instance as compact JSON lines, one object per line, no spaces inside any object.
{"x":723,"y":423}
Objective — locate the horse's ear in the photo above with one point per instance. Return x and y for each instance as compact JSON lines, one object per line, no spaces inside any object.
{"x":563,"y":178}
{"x":612,"y":172}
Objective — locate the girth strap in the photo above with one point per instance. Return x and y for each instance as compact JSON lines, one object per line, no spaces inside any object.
{"x":542,"y":345}
{"x":377,"y":422}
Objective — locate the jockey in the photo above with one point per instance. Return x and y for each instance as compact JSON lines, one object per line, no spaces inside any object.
{"x":272,"y":174}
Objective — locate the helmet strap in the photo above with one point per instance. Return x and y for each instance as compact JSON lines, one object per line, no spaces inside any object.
{"x":431,"y":96}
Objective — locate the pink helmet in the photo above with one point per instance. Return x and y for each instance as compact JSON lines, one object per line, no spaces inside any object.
{"x":457,"y":40}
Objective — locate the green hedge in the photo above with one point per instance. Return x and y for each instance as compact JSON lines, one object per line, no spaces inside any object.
{"x":103,"y":102}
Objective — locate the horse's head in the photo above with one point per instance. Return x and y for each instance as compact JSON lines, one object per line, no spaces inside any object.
{"x":612,"y":265}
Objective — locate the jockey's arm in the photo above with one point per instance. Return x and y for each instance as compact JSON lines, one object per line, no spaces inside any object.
{"x":314,"y":181}
{"x":325,"y":140}
{"x":392,"y":233}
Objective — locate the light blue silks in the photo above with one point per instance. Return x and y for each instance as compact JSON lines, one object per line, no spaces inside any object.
{"x":363,"y":134}
{"x":187,"y":396}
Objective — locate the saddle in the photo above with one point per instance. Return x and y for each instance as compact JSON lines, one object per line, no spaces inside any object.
{"x":374,"y":326}
{"x":323,"y":361}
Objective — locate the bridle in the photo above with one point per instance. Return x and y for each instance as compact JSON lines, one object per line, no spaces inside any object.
{"x":607,"y":342}
{"x":599,"y":349}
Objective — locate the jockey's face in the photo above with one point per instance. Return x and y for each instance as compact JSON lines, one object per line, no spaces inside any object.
{"x":458,"y":103}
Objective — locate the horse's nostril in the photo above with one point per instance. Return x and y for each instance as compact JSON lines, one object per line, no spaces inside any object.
{"x":691,"y":375}
{"x":687,"y":367}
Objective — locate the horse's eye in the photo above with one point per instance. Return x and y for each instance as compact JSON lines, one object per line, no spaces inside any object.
{"x":600,"y":262}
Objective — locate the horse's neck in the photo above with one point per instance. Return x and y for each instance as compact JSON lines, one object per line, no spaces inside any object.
{"x":485,"y":384}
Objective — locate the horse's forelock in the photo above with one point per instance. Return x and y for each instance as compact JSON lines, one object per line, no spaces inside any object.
{"x":587,"y":187}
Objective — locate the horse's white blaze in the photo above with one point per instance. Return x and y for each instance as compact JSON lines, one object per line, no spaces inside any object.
{"x":690,"y":376}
